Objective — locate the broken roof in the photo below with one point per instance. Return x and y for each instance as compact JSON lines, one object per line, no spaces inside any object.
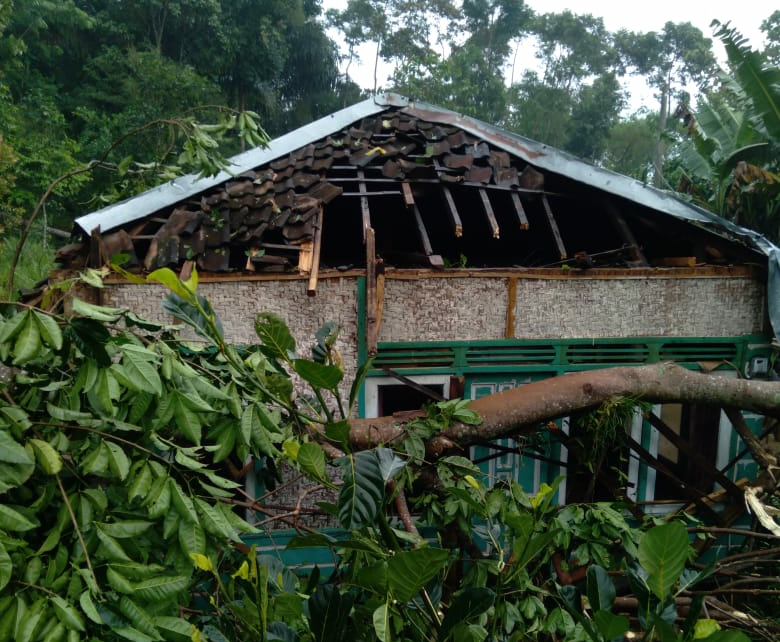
{"x":438,"y":188}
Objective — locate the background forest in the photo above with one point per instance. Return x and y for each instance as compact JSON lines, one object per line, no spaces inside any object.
{"x":111,"y":86}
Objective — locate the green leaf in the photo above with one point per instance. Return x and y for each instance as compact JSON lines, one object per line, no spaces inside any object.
{"x":96,"y":312}
{"x":12,"y":452}
{"x":381,"y":619}
{"x":182,"y":502}
{"x":318,"y":375}
{"x":139,"y":618}
{"x":15,"y":417}
{"x":111,"y":547}
{"x":48,"y":458}
{"x":663,"y":551}
{"x":611,"y":626}
{"x":214,"y":522}
{"x":339,"y":432}
{"x":99,"y":394}
{"x":159,"y":589}
{"x":173,"y":629}
{"x":12,"y":519}
{"x":118,"y":463}
{"x":49,"y":330}
{"x":6,"y":567}
{"x":88,"y":606}
{"x":67,"y":614}
{"x":410,"y":571}
{"x":168,"y":278}
{"x":140,"y":367}
{"x":600,"y":589}
{"x":329,"y":611}
{"x":28,"y":341}
{"x":91,"y":338}
{"x":311,"y":459}
{"x":12,"y":326}
{"x":186,"y":419}
{"x":362,"y":492}
{"x":275,"y":336}
{"x":470,"y":603}
{"x":125,"y":529}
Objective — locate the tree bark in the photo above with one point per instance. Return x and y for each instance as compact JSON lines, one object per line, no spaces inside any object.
{"x":521,"y":410}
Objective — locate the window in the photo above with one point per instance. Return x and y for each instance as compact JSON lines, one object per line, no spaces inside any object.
{"x":386,"y":395}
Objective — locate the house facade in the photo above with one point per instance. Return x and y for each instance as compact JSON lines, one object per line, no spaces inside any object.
{"x":466,"y":260}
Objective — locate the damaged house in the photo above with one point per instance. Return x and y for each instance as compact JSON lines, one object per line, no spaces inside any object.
{"x":467,"y":260}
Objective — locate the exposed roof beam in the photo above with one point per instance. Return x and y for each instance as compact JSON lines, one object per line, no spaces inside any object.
{"x":619,"y":223}
{"x":554,"y":227}
{"x":365,"y":211}
{"x":491,"y":217}
{"x":520,"y":210}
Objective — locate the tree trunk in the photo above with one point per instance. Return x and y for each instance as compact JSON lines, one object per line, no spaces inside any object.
{"x":522,"y":410}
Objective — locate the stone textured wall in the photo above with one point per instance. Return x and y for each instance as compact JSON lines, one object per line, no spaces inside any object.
{"x":237,"y":303}
{"x":639,"y":307}
{"x":463,"y":308}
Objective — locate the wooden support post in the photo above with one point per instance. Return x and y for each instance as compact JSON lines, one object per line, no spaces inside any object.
{"x":96,"y":253}
{"x":491,"y":217}
{"x":511,"y":307}
{"x":619,"y":223}
{"x":554,"y":227}
{"x":305,"y":257}
{"x":315,"y":259}
{"x":520,"y":211}
{"x":371,"y":298}
{"x":364,"y":203}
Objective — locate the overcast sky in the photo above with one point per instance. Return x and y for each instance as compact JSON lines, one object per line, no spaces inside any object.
{"x":650,"y":15}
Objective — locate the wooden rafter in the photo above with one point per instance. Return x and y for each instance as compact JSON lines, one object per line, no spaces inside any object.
{"x":434,"y":259}
{"x":554,"y":227}
{"x":372,"y":316}
{"x":406,"y":189}
{"x":619,"y":223}
{"x":520,"y":211}
{"x":491,"y":217}
{"x":452,"y":210}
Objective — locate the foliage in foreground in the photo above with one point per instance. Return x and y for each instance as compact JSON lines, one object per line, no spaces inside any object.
{"x":118,"y":520}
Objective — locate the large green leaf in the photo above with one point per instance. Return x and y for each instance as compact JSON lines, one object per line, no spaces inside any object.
{"x":159,"y":589}
{"x":96,"y":312}
{"x":138,"y":617}
{"x":410,"y":571}
{"x":11,"y":451}
{"x":311,"y":459}
{"x":470,"y":603}
{"x":275,"y":336}
{"x":600,"y":589}
{"x":28,"y":341}
{"x":49,"y":330}
{"x":48,"y":458}
{"x":6,"y":567}
{"x":329,"y":611}
{"x":663,"y":551}
{"x":612,"y":627}
{"x":15,"y":519}
{"x":362,"y":493}
{"x":91,"y":338}
{"x":140,"y":369}
{"x":318,"y":375}
{"x":67,"y":614}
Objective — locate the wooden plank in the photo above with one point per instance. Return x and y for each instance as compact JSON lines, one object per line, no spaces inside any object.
{"x":365,"y":211}
{"x":373,"y":194}
{"x":315,"y":259}
{"x":371,"y":294}
{"x":520,"y":210}
{"x":424,"y":239}
{"x":408,"y":196}
{"x":491,"y":217}
{"x":619,"y":223}
{"x":305,"y":257}
{"x":511,"y":308}
{"x":452,"y":211}
{"x":97,"y":253}
{"x":554,"y":227}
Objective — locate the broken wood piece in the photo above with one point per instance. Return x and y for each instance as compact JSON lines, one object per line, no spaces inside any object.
{"x":520,"y":211}
{"x":554,"y":227}
{"x":365,"y":211}
{"x":305,"y":257}
{"x":491,"y":217}
{"x":408,"y":196}
{"x":315,"y":260}
{"x":452,"y":210}
{"x":371,"y":294}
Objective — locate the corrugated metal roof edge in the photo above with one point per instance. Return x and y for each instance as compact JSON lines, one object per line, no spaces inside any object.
{"x":538,"y":154}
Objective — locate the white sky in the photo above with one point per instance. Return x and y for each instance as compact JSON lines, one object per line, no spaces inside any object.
{"x":650,"y":15}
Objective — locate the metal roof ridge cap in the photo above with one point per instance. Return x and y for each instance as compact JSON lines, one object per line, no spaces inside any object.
{"x":164,"y":195}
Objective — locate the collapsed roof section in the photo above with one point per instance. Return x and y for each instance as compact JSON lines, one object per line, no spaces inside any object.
{"x":430,"y":187}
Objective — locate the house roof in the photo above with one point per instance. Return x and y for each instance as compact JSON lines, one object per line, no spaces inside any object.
{"x":539,"y":155}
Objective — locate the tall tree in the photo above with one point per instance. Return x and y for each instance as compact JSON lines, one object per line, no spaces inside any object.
{"x":670,"y":60}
